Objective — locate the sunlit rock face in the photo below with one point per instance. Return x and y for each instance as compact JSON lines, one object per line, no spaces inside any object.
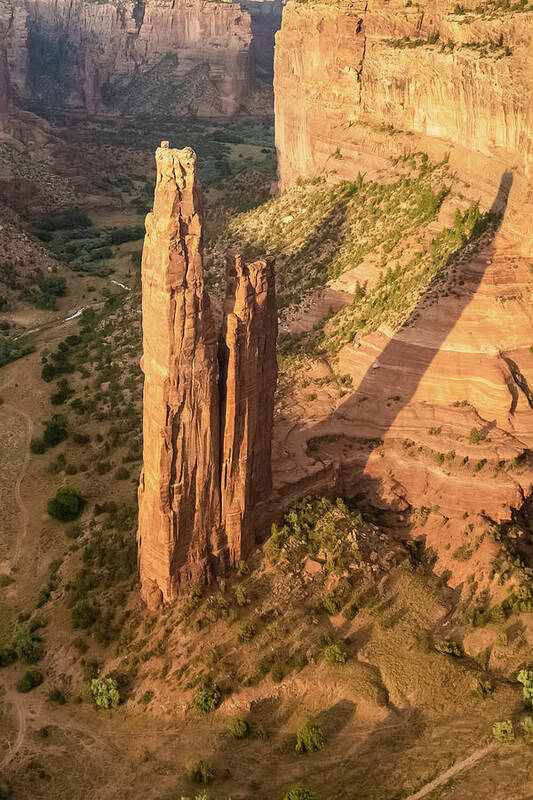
{"x":208,"y":397}
{"x":171,"y":59}
{"x":350,"y":95}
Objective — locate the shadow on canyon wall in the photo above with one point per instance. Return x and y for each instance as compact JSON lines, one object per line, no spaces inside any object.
{"x":345,"y":473}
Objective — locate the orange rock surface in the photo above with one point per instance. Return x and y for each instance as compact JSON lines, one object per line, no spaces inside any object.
{"x":351,"y":95}
{"x":207,"y":435}
{"x":249,"y":370}
{"x":184,"y":57}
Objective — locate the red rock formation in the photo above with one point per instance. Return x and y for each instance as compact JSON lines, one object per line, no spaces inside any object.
{"x":351,"y":96}
{"x":199,"y":501}
{"x":249,"y":369}
{"x":183,"y":57}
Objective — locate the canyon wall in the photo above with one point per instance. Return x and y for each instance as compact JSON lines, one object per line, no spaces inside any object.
{"x":208,"y":403}
{"x":439,"y":413}
{"x":189,"y":57}
{"x":351,"y":91}
{"x":169,"y":58}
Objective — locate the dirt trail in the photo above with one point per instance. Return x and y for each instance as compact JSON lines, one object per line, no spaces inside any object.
{"x":444,"y":777}
{"x":11,"y":697}
{"x":18,"y":497}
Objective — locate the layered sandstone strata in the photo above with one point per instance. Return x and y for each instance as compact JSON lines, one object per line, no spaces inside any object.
{"x":189,"y":57}
{"x":351,"y":91}
{"x":182,"y":57}
{"x":207,"y":429}
{"x":353,"y":96}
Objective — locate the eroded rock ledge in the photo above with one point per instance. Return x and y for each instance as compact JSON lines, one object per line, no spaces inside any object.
{"x":208,"y":396}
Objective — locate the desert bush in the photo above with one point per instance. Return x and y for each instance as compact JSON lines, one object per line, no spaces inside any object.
{"x":202,"y":772}
{"x":62,"y":394}
{"x":30,"y":680}
{"x":309,"y":738}
{"x":27,"y":644}
{"x":331,"y":604}
{"x":57,"y":696}
{"x":239,"y":728}
{"x":67,"y":504}
{"x":525,"y":677}
{"x":207,"y":697}
{"x":335,"y":654}
{"x":526,"y":726}
{"x":241,"y":596}
{"x":277,"y":673}
{"x":247,"y":632}
{"x":84,"y":614}
{"x":105,"y":692}
{"x":122,"y":474}
{"x":37,"y":446}
{"x":503,"y":731}
{"x":55,"y":430}
{"x":299,"y":793}
{"x":449,"y":647}
{"x":10,"y":351}
{"x":7,"y":655}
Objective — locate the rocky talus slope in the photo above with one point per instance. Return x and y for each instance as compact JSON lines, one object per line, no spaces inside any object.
{"x":439,"y":412}
{"x":207,"y":428}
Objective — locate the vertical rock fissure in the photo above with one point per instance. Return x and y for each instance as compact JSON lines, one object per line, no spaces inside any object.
{"x":208,"y":399}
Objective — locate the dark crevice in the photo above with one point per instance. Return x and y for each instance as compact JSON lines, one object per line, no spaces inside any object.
{"x":519,"y":380}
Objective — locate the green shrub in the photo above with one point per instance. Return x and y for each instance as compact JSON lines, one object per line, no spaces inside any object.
{"x":239,"y":728}
{"x":27,"y":644}
{"x":449,"y":648}
{"x":207,"y":697}
{"x":300,"y":793}
{"x":310,"y":738}
{"x":525,"y":677}
{"x":475,"y":436}
{"x":526,"y":726}
{"x":105,"y":692}
{"x":57,"y":696}
{"x":332,"y":604}
{"x":277,"y":673}
{"x":335,"y":655}
{"x":67,"y":505}
{"x":202,"y":772}
{"x":84,"y":614}
{"x":247,"y":632}
{"x":241,"y":596}
{"x":74,"y":531}
{"x":37,"y":446}
{"x":7,"y":656}
{"x":503,"y":731}
{"x":62,"y":394}
{"x":55,"y":430}
{"x":29,"y":681}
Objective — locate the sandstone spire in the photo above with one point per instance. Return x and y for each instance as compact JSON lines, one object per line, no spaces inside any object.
{"x":249,"y":373}
{"x":207,"y":477}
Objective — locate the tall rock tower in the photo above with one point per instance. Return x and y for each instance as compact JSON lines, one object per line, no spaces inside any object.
{"x":208,"y":397}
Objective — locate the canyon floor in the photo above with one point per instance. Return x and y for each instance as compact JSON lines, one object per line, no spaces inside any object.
{"x":407,"y":664}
